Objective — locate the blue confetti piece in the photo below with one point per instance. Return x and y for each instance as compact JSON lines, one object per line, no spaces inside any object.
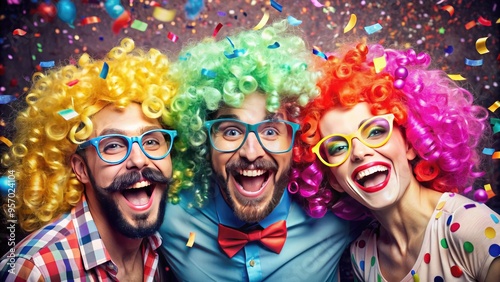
{"x":293,"y":21}
{"x":47,"y":64}
{"x":221,"y":14}
{"x":373,"y":28}
{"x":448,"y":50}
{"x":208,"y":73}
{"x":230,"y":41}
{"x":274,"y":46}
{"x":488,"y":151}
{"x":68,"y":114}
{"x":5,"y":99}
{"x":473,"y":63}
{"x":276,"y":6}
{"x":186,"y":57}
{"x":193,"y":8}
{"x":236,"y":53}
{"x":320,"y":54}
{"x":104,"y":71}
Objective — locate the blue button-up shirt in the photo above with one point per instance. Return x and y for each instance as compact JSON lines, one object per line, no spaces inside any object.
{"x":311,"y":252}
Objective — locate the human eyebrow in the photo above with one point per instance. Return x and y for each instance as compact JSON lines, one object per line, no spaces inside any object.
{"x":228,"y":116}
{"x":141,"y":130}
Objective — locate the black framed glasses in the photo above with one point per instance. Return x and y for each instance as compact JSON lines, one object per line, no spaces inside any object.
{"x":228,"y":135}
{"x":115,"y":148}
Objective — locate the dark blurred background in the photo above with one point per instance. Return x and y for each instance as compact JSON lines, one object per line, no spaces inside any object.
{"x":448,"y":30}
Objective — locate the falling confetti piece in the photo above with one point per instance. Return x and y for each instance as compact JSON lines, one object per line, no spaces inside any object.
{"x":73,"y":82}
{"x":216,"y":30}
{"x":380,"y":63}
{"x":121,"y":22}
{"x":190,"y":241}
{"x":6,"y":141}
{"x":496,"y":155}
{"x":352,"y":22}
{"x":473,"y":63}
{"x":494,"y":106}
{"x":470,"y":25}
{"x":90,"y":20}
{"x":449,"y":8}
{"x":47,"y":64}
{"x":481,"y":45}
{"x":373,"y":28}
{"x":317,"y":4}
{"x":487,"y":188}
{"x":5,"y":99}
{"x":496,"y":125}
{"x":172,"y":37}
{"x":456,"y":77}
{"x":484,"y":21}
{"x":319,"y":54}
{"x":488,"y":151}
{"x":208,"y":73}
{"x":164,"y":15}
{"x":274,"y":46}
{"x":68,"y":114}
{"x":263,"y":21}
{"x":139,"y":25}
{"x":293,"y":21}
{"x":19,"y":32}
{"x":104,"y":71}
{"x":236,"y":53}
{"x":448,"y":49}
{"x":276,"y":6}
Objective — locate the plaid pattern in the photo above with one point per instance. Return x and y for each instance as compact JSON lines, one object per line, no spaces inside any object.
{"x":70,"y":249}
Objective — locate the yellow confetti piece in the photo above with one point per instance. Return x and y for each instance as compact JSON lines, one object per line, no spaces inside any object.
{"x":498,"y":21}
{"x":164,"y":15}
{"x":352,"y":22}
{"x":489,"y":192}
{"x":496,"y":155}
{"x":481,"y":45}
{"x":379,"y":63}
{"x":456,"y":77}
{"x":6,"y":141}
{"x":494,"y":106}
{"x":190,"y":241}
{"x":263,"y":21}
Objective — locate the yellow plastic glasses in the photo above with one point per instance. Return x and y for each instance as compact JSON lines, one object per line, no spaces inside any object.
{"x":334,"y":149}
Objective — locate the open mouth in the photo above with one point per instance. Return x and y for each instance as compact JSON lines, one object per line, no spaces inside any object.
{"x":139,"y":196}
{"x":371,"y":178}
{"x":251,"y":182}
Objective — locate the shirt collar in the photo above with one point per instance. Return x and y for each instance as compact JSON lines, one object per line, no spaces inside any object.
{"x":226,"y":215}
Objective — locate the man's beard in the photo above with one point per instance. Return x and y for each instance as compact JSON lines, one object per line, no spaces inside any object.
{"x":110,"y":208}
{"x":252,"y":209}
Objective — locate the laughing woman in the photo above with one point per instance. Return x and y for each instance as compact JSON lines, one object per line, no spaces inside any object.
{"x":404,"y":143}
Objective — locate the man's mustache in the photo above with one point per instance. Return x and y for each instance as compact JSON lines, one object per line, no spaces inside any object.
{"x":124,"y":181}
{"x":258,"y":164}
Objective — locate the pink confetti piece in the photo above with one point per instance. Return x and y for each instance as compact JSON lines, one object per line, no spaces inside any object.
{"x":172,"y":37}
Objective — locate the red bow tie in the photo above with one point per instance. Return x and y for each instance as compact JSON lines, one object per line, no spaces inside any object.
{"x":273,"y":237}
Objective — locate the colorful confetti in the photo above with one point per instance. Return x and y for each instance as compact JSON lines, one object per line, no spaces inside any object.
{"x":172,"y":37}
{"x":104,"y":71}
{"x":263,"y":21}
{"x":449,"y":8}
{"x":352,"y":22}
{"x":141,"y":26}
{"x":373,"y":28}
{"x":208,"y":73}
{"x":380,"y":63}
{"x":481,"y":45}
{"x":293,"y":21}
{"x":6,"y":141}
{"x":90,"y":20}
{"x":68,"y":114}
{"x":217,"y":28}
{"x":274,"y":46}
{"x":163,"y":15}
{"x":19,"y":32}
{"x":190,"y":241}
{"x":473,"y":63}
{"x":494,"y":106}
{"x":47,"y":64}
{"x":319,"y":54}
{"x":276,"y":6}
{"x":5,"y":99}
{"x":316,"y":3}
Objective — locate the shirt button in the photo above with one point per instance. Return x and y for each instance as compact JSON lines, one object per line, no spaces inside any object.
{"x":252,"y":263}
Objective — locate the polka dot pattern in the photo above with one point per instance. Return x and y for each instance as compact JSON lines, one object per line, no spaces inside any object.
{"x":427,"y":258}
{"x":444,"y":243}
{"x":494,"y":250}
{"x":373,"y":261}
{"x":494,"y":218}
{"x":490,"y":232}
{"x":438,"y":279}
{"x":454,"y":227}
{"x":361,"y":244}
{"x":468,"y":247}
{"x":448,"y":221}
{"x":456,"y":271}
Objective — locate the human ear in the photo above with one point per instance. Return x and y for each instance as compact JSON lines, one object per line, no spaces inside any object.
{"x":80,"y":168}
{"x":410,"y":152}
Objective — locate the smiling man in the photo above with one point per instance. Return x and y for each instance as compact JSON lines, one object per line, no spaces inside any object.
{"x":93,"y":165}
{"x":237,"y":221}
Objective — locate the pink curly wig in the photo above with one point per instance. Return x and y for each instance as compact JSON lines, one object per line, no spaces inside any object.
{"x":438,"y":118}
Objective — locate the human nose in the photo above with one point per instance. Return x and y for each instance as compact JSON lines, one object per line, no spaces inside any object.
{"x":252,"y":149}
{"x":359,"y":150}
{"x":137,"y":158}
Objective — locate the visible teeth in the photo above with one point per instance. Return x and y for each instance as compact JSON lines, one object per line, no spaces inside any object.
{"x":370,"y":170}
{"x":252,"y":173}
{"x":141,"y":184}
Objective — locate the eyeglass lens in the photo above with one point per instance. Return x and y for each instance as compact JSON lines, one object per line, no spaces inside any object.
{"x":372,"y":133}
{"x":115,"y":147}
{"x":274,"y":136}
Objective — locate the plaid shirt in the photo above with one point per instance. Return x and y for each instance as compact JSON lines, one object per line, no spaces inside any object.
{"x":70,"y":249}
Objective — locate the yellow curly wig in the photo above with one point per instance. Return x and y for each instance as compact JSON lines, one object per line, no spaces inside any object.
{"x":44,"y":141}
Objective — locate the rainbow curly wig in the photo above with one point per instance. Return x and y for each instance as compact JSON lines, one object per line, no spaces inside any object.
{"x":273,"y":61}
{"x":44,"y":141}
{"x":438,"y":118}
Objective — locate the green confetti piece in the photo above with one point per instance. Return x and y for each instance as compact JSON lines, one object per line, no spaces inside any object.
{"x":442,"y":30}
{"x":141,"y":26}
